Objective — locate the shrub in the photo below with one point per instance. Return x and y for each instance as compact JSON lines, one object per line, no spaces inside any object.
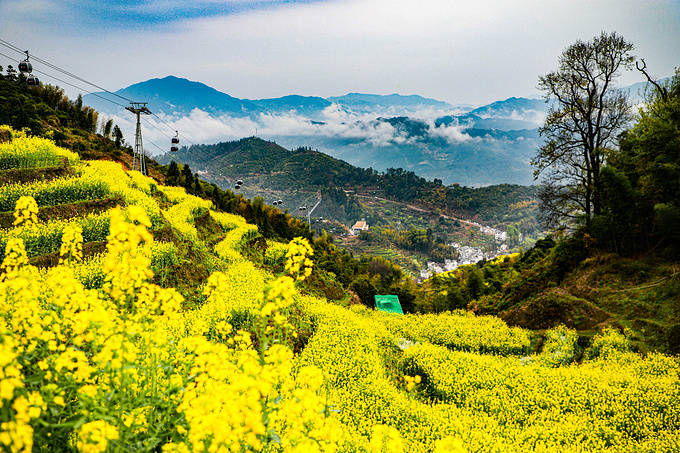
{"x":569,"y":253}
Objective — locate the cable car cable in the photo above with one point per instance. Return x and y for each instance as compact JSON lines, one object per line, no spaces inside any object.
{"x":80,"y":88}
{"x":155,"y":127}
{"x":70,"y":84}
{"x":52,"y":66}
{"x":70,"y":74}
{"x":159,"y":119}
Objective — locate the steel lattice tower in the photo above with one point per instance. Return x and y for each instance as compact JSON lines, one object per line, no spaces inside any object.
{"x":138,"y":108}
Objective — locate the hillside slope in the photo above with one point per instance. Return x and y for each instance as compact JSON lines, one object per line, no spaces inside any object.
{"x":107,"y":353}
{"x":273,"y":172}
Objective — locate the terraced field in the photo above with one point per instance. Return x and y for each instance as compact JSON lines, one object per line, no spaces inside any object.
{"x":133,"y":320}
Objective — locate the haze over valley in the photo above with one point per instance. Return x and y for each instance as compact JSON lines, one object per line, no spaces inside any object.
{"x":490,"y":144}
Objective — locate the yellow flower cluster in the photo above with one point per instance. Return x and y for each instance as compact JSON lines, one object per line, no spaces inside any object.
{"x":298,"y":261}
{"x":411,"y":382}
{"x":121,"y":183}
{"x":43,"y":238}
{"x":459,"y":330}
{"x":94,"y":437}
{"x":129,"y":255}
{"x":15,"y":257}
{"x":240,"y":233}
{"x":15,"y":435}
{"x":26,"y":212}
{"x":275,"y":253}
{"x":50,"y":193}
{"x":32,"y":152}
{"x":141,"y":182}
{"x":588,"y":406}
{"x":181,"y":215}
{"x":71,"y":244}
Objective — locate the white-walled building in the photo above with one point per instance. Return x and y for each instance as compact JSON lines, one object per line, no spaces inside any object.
{"x":358,"y":227}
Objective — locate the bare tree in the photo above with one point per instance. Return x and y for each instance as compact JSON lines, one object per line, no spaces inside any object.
{"x":586,"y":115}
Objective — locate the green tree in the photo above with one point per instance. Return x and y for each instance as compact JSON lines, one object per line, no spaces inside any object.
{"x":188,"y":178}
{"x":455,"y":298}
{"x":108,"y":127}
{"x":172,"y":178}
{"x":363,"y":287}
{"x":580,"y":130}
{"x":118,"y":136}
{"x":198,"y":187}
{"x":650,"y":160}
{"x":474,"y":283}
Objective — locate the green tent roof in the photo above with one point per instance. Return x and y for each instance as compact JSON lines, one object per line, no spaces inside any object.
{"x":389,"y":304}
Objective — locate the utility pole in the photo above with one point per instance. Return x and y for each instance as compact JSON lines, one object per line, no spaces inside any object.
{"x":138,"y":108}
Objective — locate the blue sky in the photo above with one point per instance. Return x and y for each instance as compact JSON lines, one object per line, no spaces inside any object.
{"x":456,"y":51}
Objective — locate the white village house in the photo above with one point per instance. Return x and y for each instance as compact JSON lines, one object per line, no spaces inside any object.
{"x":359,"y":227}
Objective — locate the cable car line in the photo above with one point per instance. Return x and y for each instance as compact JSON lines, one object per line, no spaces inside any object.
{"x":174,"y":140}
{"x":80,"y":88}
{"x":178,"y":134}
{"x":63,"y":71}
{"x":155,"y":127}
{"x":70,"y":74}
{"x":70,"y":84}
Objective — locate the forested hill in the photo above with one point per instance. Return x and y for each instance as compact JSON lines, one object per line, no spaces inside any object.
{"x":270,"y":170}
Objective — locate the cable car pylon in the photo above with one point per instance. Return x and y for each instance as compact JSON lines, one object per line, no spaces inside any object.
{"x":138,"y":108}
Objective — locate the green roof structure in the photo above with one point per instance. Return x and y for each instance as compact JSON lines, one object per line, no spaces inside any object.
{"x":390,"y":304}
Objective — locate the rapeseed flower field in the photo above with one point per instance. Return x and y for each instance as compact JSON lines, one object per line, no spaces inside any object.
{"x":97,"y":357}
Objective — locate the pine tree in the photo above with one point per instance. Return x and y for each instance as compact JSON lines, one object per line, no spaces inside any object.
{"x":188,"y":178}
{"x":172,"y":178}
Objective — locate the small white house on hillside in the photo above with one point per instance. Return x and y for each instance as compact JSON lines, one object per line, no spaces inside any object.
{"x":359,"y":227}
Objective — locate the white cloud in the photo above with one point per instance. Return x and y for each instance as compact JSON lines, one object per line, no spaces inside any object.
{"x":201,"y":127}
{"x":454,"y":133}
{"x":452,"y":50}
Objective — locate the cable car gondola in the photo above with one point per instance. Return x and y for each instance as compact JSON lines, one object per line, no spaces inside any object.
{"x":25,"y":67}
{"x":174,"y":141}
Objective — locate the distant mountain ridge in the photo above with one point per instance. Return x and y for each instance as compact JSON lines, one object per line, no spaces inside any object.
{"x":485,"y":145}
{"x":178,"y":97}
{"x":173,"y":95}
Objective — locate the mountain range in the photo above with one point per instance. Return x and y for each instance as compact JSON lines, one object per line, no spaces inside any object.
{"x":473,"y":146}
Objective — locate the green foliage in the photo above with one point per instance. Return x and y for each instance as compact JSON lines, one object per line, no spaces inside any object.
{"x":569,"y":253}
{"x":640,"y":189}
{"x":294,"y":175}
{"x":36,"y":107}
{"x":364,"y":287}
{"x":667,"y":217}
{"x":420,"y":240}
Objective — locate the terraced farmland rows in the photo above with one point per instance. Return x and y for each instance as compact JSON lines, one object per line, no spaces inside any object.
{"x":97,"y":356}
